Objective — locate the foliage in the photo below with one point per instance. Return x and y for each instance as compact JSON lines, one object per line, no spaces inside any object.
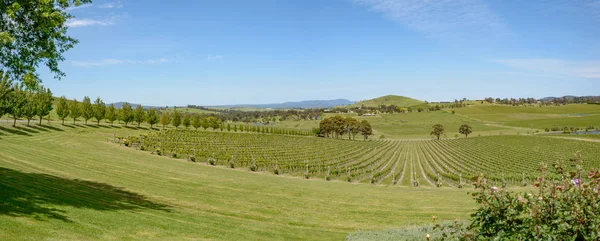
{"x":176,"y":118}
{"x":126,"y":113}
{"x":139,"y":115}
{"x":437,"y":130}
{"x":465,"y":130}
{"x":62,"y":109}
{"x":87,"y":111}
{"x":34,"y":33}
{"x":112,"y":114}
{"x":187,"y":120}
{"x":165,"y":119}
{"x":152,"y":117}
{"x":74,"y":110}
{"x":99,"y":110}
{"x":43,"y":102}
{"x":567,"y":208}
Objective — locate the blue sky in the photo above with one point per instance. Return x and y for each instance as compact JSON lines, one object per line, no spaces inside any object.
{"x":265,"y":51}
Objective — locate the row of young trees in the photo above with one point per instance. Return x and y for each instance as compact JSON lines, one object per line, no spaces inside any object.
{"x":20,"y":102}
{"x":338,"y":126}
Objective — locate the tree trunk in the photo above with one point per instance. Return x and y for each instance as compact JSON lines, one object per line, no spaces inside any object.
{"x":63,"y":121}
{"x":41,"y":118}
{"x":28,"y":120}
{"x":15,"y":122}
{"x":74,"y":121}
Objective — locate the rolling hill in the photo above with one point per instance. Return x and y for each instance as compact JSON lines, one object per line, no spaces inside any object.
{"x":400,"y":101}
{"x":290,"y":105}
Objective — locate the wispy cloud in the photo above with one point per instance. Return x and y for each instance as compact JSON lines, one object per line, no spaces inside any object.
{"x":581,"y":69}
{"x":69,"y":9}
{"x":118,"y":4}
{"x":83,"y":22}
{"x":444,"y":18}
{"x":215,"y":57}
{"x":105,"y":62}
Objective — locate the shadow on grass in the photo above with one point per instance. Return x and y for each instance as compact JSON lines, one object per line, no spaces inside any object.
{"x":52,"y":128}
{"x":26,"y":128}
{"x":14,"y":131}
{"x":37,"y":127}
{"x":38,"y":196}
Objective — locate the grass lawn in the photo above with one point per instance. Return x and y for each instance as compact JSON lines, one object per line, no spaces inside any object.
{"x":68,"y":183}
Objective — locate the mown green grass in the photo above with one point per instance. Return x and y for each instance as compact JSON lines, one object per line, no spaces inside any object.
{"x":69,"y":183}
{"x":573,"y":115}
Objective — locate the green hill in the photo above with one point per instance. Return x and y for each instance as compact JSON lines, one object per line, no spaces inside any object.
{"x":400,"y":101}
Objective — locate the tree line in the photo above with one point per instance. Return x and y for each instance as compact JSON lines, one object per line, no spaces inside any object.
{"x":20,"y":102}
{"x":337,"y":127}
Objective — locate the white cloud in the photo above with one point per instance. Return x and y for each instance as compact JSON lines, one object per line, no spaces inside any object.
{"x":88,"y":22}
{"x":215,"y":57}
{"x":105,"y":62}
{"x":445,"y":18}
{"x":78,"y":7}
{"x":581,"y":69}
{"x":112,"y":5}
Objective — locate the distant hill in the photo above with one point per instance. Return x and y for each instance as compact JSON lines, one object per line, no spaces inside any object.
{"x":306,"y":104}
{"x":400,"y":101}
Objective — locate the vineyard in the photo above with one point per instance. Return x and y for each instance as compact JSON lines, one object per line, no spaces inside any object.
{"x":507,"y":160}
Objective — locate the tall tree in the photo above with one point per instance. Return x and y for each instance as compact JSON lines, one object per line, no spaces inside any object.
{"x":43,"y":102}
{"x":111,"y":114}
{"x":62,"y":109}
{"x":365,"y":129}
{"x":465,"y":130}
{"x":187,"y":121}
{"x":165,"y":119}
{"x":139,"y":115}
{"x":34,"y":33}
{"x":74,"y":110}
{"x":196,"y":121}
{"x":99,"y":110}
{"x":176,"y":118}
{"x":228,"y":127}
{"x":151,"y":117}
{"x":5,"y":90}
{"x":17,"y":99}
{"x":29,"y":110}
{"x":437,"y":130}
{"x":126,"y":113}
{"x":87,"y":112}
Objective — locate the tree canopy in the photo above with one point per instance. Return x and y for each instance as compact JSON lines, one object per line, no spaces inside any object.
{"x":465,"y":130}
{"x":437,"y":130}
{"x":34,"y":32}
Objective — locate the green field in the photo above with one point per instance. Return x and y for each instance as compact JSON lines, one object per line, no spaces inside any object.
{"x":573,"y":115}
{"x":69,"y":183}
{"x":73,"y":182}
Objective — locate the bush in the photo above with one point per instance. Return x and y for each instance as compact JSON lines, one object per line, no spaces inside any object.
{"x":158,"y":151}
{"x":253,"y":167}
{"x":547,"y":129}
{"x":232,"y":164}
{"x":565,"y":209}
{"x":212,"y":161}
{"x":382,"y":137}
{"x":306,"y":176}
{"x":327,"y":178}
{"x":174,"y":155}
{"x":126,"y":142}
{"x":276,"y":171}
{"x":192,"y":158}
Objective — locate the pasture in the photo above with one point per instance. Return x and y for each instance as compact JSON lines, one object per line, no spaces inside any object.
{"x":69,"y":183}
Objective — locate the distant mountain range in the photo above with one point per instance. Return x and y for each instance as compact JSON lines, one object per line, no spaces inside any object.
{"x":306,"y":104}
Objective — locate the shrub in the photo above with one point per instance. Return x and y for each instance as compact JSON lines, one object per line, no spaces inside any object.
{"x":232,"y":164}
{"x":327,"y":178}
{"x":174,"y":155}
{"x":276,"y":171}
{"x":192,"y":158}
{"x":126,"y":142}
{"x":560,"y":209}
{"x":547,"y":129}
{"x":212,"y":161}
{"x":158,"y":151}
{"x":382,"y":137}
{"x":253,"y":167}
{"x":306,"y":176}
